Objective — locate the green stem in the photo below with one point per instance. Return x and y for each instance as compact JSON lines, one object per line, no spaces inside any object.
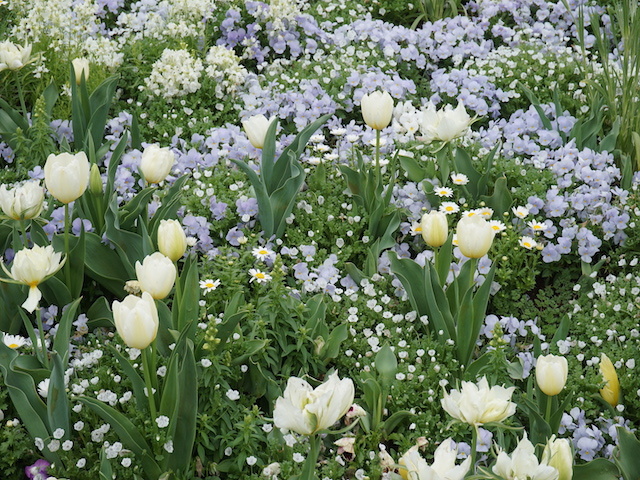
{"x":147,"y":366}
{"x":21,"y":95}
{"x":378,"y":173}
{"x":474,"y":444}
{"x":547,"y":415}
{"x":309,"y":468}
{"x":43,"y":346}
{"x":23,"y":231}
{"x":67,"y":264}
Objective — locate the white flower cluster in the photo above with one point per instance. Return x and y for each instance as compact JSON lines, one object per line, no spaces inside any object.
{"x":224,"y":67}
{"x":176,"y":74}
{"x":281,"y":11}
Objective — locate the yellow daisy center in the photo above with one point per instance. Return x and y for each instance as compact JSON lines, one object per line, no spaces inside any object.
{"x":13,"y":345}
{"x":260,"y":275}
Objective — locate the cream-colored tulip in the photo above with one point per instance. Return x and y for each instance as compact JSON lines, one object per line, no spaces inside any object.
{"x":256,"y":129}
{"x":559,"y":455}
{"x":551,"y":373}
{"x":14,"y":57}
{"x":435,"y":228}
{"x":156,"y":163}
{"x":136,"y":320}
{"x":67,"y":176}
{"x":172,"y":241}
{"x":477,"y":404}
{"x":414,"y":467}
{"x":22,"y":202}
{"x":523,"y":463}
{"x":156,"y":275}
{"x":80,"y":66}
{"x":611,"y":390}
{"x":475,"y":236}
{"x":31,"y":267}
{"x":445,"y":124}
{"x":377,"y":109}
{"x":305,"y":410}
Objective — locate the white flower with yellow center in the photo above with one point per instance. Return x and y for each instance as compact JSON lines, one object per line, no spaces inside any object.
{"x":449,"y":208}
{"x":416,"y":228}
{"x":262,"y":253}
{"x":520,"y":212}
{"x":486,"y":212}
{"x":459,"y":178}
{"x":537,"y":226}
{"x":469,"y":213}
{"x":14,"y":341}
{"x":528,"y":242}
{"x":497,"y":225}
{"x":258,"y":276}
{"x":443,"y":192}
{"x":209,"y":285}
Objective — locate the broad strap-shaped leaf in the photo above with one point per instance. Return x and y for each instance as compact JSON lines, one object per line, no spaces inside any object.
{"x":170,"y":205}
{"x":57,"y":400}
{"x":63,"y":333}
{"x":105,"y":266}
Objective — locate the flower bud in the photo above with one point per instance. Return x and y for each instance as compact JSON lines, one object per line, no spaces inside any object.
{"x":558,"y":454}
{"x":435,"y":228}
{"x":475,"y":236}
{"x":66,"y":176}
{"x":136,"y":320}
{"x":551,"y":373}
{"x":95,"y":181}
{"x":156,"y":163}
{"x":22,"y":202}
{"x":256,"y":129}
{"x":172,"y":241}
{"x":156,"y":275}
{"x":377,"y":109}
{"x":80,"y":66}
{"x":611,"y":391}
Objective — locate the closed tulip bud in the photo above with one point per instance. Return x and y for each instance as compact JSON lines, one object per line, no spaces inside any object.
{"x":377,"y":109}
{"x":475,"y":236}
{"x":136,"y":320}
{"x":304,"y":410}
{"x":32,"y":266}
{"x":156,"y":275}
{"x":80,"y":66}
{"x":67,"y":176}
{"x":558,"y":454}
{"x":256,"y":129}
{"x":611,"y":391}
{"x":95,"y":180}
{"x":551,"y":373}
{"x":14,"y":57}
{"x":172,"y":241}
{"x":156,"y":163}
{"x":22,"y":202}
{"x":435,"y":228}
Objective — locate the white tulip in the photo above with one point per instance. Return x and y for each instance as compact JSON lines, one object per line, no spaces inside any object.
{"x":475,"y":236}
{"x":156,"y":163}
{"x":559,"y":455}
{"x":81,"y":65}
{"x":22,"y":202}
{"x":523,"y":463}
{"x":256,"y":129}
{"x":551,"y":373}
{"x":477,"y":404}
{"x":156,"y":275}
{"x":14,"y":57}
{"x":445,"y":124}
{"x":435,"y":228}
{"x":444,"y":467}
{"x":306,"y":411}
{"x":67,"y":176}
{"x":172,"y":241}
{"x":32,"y":266}
{"x":136,"y":320}
{"x":377,"y":109}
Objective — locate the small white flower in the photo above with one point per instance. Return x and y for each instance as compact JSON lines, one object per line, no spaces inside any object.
{"x":169,"y":446}
{"x":459,"y":178}
{"x":251,"y":460}
{"x":58,"y":433}
{"x":43,"y":388}
{"x":443,"y":192}
{"x":162,"y":421}
{"x":262,"y":253}
{"x":14,"y":341}
{"x":67,"y":445}
{"x":497,"y":225}
{"x":537,"y":226}
{"x":206,"y":363}
{"x":233,"y":394}
{"x":528,"y":242}
{"x":209,"y":285}
{"x":298,"y":457}
{"x":449,"y":207}
{"x":258,"y":276}
{"x":520,"y":212}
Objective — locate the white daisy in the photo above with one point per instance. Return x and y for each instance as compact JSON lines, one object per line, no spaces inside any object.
{"x":209,"y":285}
{"x":443,"y":192}
{"x":537,"y":226}
{"x":43,"y":388}
{"x":14,"y":341}
{"x":497,"y":226}
{"x":416,"y":228}
{"x":520,"y":212}
{"x":449,"y":207}
{"x":259,"y":276}
{"x":528,"y":242}
{"x":486,"y":212}
{"x":262,"y":253}
{"x":459,"y":178}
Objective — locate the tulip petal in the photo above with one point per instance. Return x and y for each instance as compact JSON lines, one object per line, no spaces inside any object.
{"x":31,"y":303}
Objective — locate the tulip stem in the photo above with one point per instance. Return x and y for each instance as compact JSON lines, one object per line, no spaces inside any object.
{"x":547,"y":415}
{"x":146,"y":365}
{"x":474,"y":446}
{"x":21,"y":95}
{"x":23,"y":231}
{"x":67,"y":264}
{"x":43,"y":346}
{"x":378,"y":173}
{"x":308,"y":470}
